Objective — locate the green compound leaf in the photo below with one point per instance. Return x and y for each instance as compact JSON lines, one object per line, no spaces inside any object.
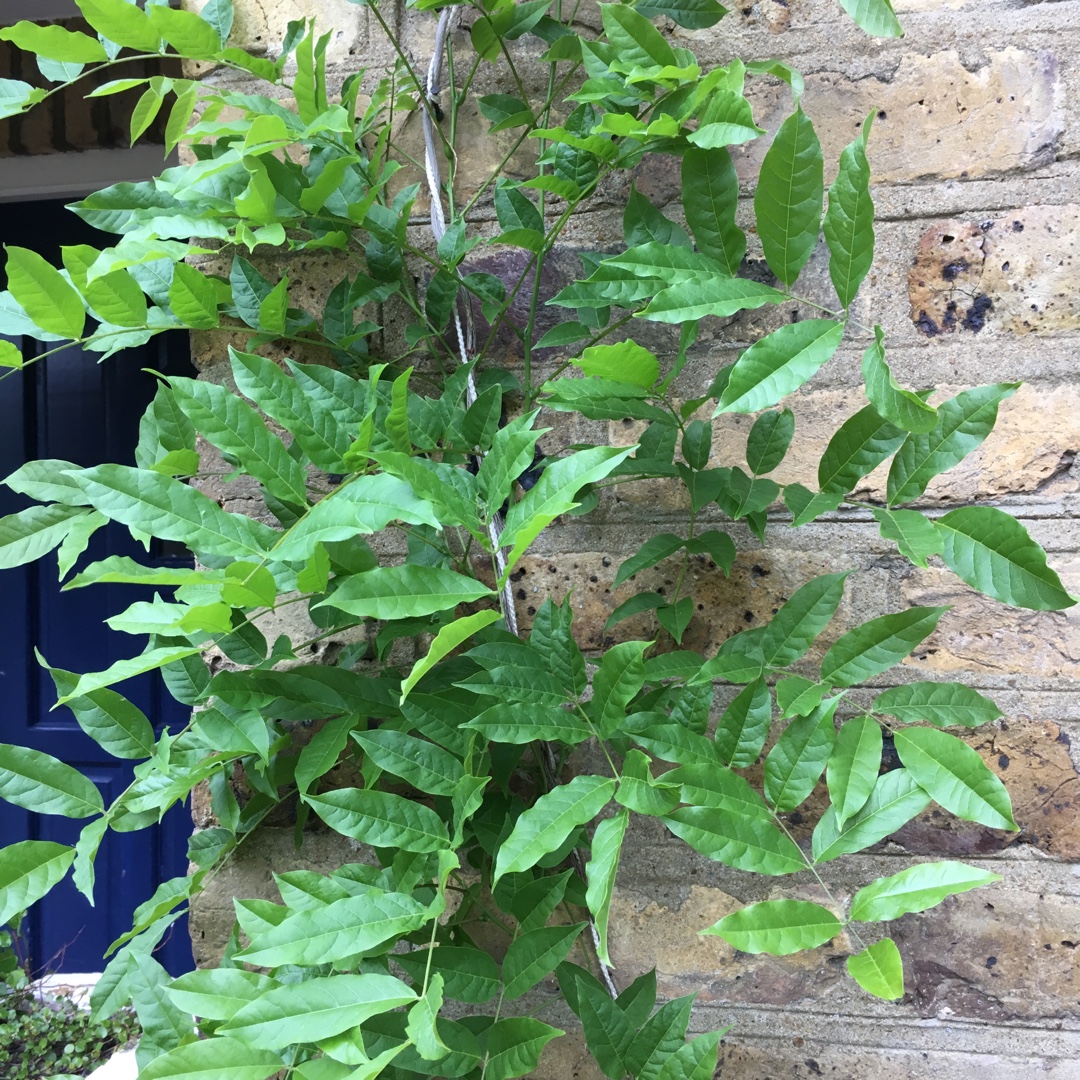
{"x":643,"y":223}
{"x":17,"y":96}
{"x":340,"y":929}
{"x":915,"y":534}
{"x":779,"y":364}
{"x":706,"y":784}
{"x":901,"y":407}
{"x":422,"y":1026}
{"x":806,"y":505}
{"x":879,"y":970}
{"x":234,"y":427}
{"x":600,"y":872}
{"x":166,"y":508}
{"x":655,"y":550}
{"x":315,"y":1009}
{"x":193,"y":298}
{"x":43,"y":294}
{"x":778,"y":927}
{"x":853,"y":766}
{"x":28,"y":870}
{"x":513,"y":1046}
{"x":536,"y":953}
{"x":849,"y":221}
{"x":963,"y":423}
{"x":916,"y":889}
{"x":744,"y":727}
{"x":620,"y":676}
{"x":789,"y":197}
{"x":381,"y":819}
{"x":710,"y":191}
{"x":32,"y":533}
{"x":55,"y":43}
{"x":696,"y":1060}
{"x":549,"y":821}
{"x":114,"y":723}
{"x":798,"y":759}
{"x":794,"y":628}
{"x":122,"y":23}
{"x":218,"y":993}
{"x":39,"y":782}
{"x":742,"y":842}
{"x":626,"y":362}
{"x":993,"y":553}
{"x":117,"y":298}
{"x":860,"y":445}
{"x":213,"y":1059}
{"x":660,"y":1037}
{"x":636,"y":41}
{"x":769,"y":440}
{"x":520,"y":723}
{"x":321,"y":754}
{"x":404,"y":592}
{"x":875,"y":646}
{"x":426,"y":766}
{"x":895,"y":800}
{"x":468,"y":974}
{"x":554,"y":494}
{"x":445,"y":641}
{"x":708,"y":294}
{"x":690,"y":14}
{"x":150,"y":660}
{"x":366,"y":505}
{"x":876,"y":17}
{"x":939,"y":703}
{"x":955,"y":776}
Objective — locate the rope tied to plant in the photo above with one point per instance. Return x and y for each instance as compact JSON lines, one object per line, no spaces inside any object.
{"x":549,"y":765}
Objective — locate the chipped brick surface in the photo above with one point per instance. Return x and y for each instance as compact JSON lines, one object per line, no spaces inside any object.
{"x":1015,"y":274}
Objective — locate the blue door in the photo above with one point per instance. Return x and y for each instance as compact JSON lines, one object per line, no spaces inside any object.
{"x":70,"y":406}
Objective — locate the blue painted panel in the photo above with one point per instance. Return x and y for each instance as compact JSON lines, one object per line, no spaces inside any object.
{"x":87,"y":412}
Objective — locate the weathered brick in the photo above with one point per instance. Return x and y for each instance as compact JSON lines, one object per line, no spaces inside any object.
{"x":935,"y":117}
{"x":819,"y":1055}
{"x":759,"y":583}
{"x":1033,"y":761}
{"x":260,"y":24}
{"x":980,"y":634}
{"x":1031,"y":449}
{"x":1016,"y":274}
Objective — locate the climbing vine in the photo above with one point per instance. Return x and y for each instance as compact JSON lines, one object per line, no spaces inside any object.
{"x":404,"y":465}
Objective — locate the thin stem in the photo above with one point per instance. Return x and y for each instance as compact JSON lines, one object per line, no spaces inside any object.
{"x":817,"y":877}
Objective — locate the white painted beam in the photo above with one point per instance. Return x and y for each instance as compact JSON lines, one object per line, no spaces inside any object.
{"x":73,"y":175}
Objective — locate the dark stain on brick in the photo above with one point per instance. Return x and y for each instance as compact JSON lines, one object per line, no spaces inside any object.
{"x":925,"y":325}
{"x":975,"y":319}
{"x":951,"y":271}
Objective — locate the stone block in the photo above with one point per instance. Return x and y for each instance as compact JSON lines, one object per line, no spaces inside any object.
{"x":759,"y":583}
{"x":260,"y":25}
{"x":983,"y":635}
{"x":1032,"y":448}
{"x":936,"y":119}
{"x":1014,"y":274}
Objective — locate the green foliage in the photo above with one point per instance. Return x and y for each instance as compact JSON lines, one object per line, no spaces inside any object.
{"x":48,"y":1035}
{"x":439,"y":738}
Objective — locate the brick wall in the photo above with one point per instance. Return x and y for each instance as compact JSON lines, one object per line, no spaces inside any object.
{"x":973,"y":153}
{"x":69,"y":120}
